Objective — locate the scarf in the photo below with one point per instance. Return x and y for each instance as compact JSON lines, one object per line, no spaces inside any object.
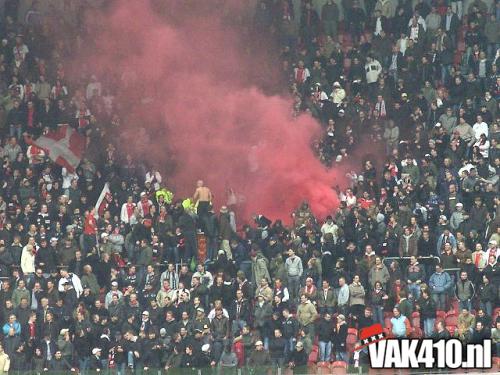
{"x":145,"y":205}
{"x":82,"y":118}
{"x":31,"y":116}
{"x":130,"y":209}
{"x":380,"y":107}
{"x":300,"y":75}
{"x":309,"y":289}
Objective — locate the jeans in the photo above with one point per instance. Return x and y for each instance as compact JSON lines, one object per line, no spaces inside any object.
{"x":237,"y":326}
{"x":15,"y":131}
{"x":487,"y":307}
{"x":265,"y":340}
{"x":414,"y":289}
{"x":445,"y":72}
{"x":130,"y":359}
{"x":293,"y":287}
{"x":325,"y":351}
{"x":105,"y":366}
{"x":439,"y":300}
{"x":121,"y":368}
{"x":429,"y":326}
{"x":246,"y":267}
{"x":83,"y":364}
{"x":465,"y":305}
{"x":456,"y":7}
{"x":492,"y":49}
{"x":89,"y":241}
{"x":378,"y":314}
{"x":341,"y":356}
{"x":290,"y":345}
{"x":277,"y":363}
{"x":211,"y":248}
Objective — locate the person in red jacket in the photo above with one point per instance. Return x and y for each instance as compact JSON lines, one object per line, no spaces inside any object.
{"x":89,"y":231}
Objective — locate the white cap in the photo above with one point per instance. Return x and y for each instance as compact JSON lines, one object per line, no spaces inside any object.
{"x":95,"y":351}
{"x":205,"y":348}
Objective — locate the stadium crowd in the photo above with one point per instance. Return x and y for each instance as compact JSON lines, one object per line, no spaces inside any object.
{"x":413,"y":245}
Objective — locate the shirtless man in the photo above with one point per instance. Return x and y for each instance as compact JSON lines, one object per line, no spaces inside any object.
{"x":202,"y":196}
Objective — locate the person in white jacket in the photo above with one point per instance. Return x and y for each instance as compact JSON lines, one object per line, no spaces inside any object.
{"x":154,"y":178}
{"x":28,"y":260}
{"x":372,"y":70}
{"x":128,"y":212}
{"x":67,"y":178}
{"x":338,"y":94}
{"x":71,"y":278}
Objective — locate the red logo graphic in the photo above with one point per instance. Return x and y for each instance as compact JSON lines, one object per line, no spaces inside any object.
{"x":371,"y":335}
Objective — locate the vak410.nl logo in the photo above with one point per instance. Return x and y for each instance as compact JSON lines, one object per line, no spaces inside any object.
{"x":423,"y":353}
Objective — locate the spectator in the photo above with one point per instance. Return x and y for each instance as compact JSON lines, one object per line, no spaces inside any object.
{"x":326,"y":299}
{"x":306,"y":314}
{"x":325,"y":334}
{"x":339,"y":343}
{"x":464,"y":291}
{"x":400,"y":324}
{"x":294,"y":271}
{"x":440,"y":283}
{"x":416,"y":273}
{"x":427,"y":309}
{"x":298,"y":358}
{"x":487,"y":295}
{"x":260,"y":357}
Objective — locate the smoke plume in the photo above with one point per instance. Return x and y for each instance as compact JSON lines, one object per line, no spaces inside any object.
{"x":206,"y":115}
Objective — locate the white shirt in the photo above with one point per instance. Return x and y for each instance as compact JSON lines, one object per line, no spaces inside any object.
{"x":329,"y":228}
{"x":480,"y":128}
{"x":75,"y":280}
{"x":378,"y":26}
{"x":67,"y":178}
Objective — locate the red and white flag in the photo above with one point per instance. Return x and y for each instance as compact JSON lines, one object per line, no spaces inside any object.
{"x":64,"y":146}
{"x":105,"y":198}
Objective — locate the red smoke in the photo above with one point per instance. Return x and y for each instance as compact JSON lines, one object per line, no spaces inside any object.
{"x":206,"y":115}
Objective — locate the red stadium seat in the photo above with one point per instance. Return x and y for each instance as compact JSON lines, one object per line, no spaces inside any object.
{"x":417,"y":333}
{"x":339,"y":364}
{"x":388,"y":332}
{"x":351,"y":342}
{"x":313,"y":357}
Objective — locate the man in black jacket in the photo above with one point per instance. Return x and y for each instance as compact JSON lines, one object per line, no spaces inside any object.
{"x":277,"y":349}
{"x":59,"y":364}
{"x":239,"y":312}
{"x":325,"y":332}
{"x":290,"y":330}
{"x":95,"y":360}
{"x":298,"y":359}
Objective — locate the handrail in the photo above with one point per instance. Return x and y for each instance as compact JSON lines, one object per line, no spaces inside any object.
{"x":418,"y":258}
